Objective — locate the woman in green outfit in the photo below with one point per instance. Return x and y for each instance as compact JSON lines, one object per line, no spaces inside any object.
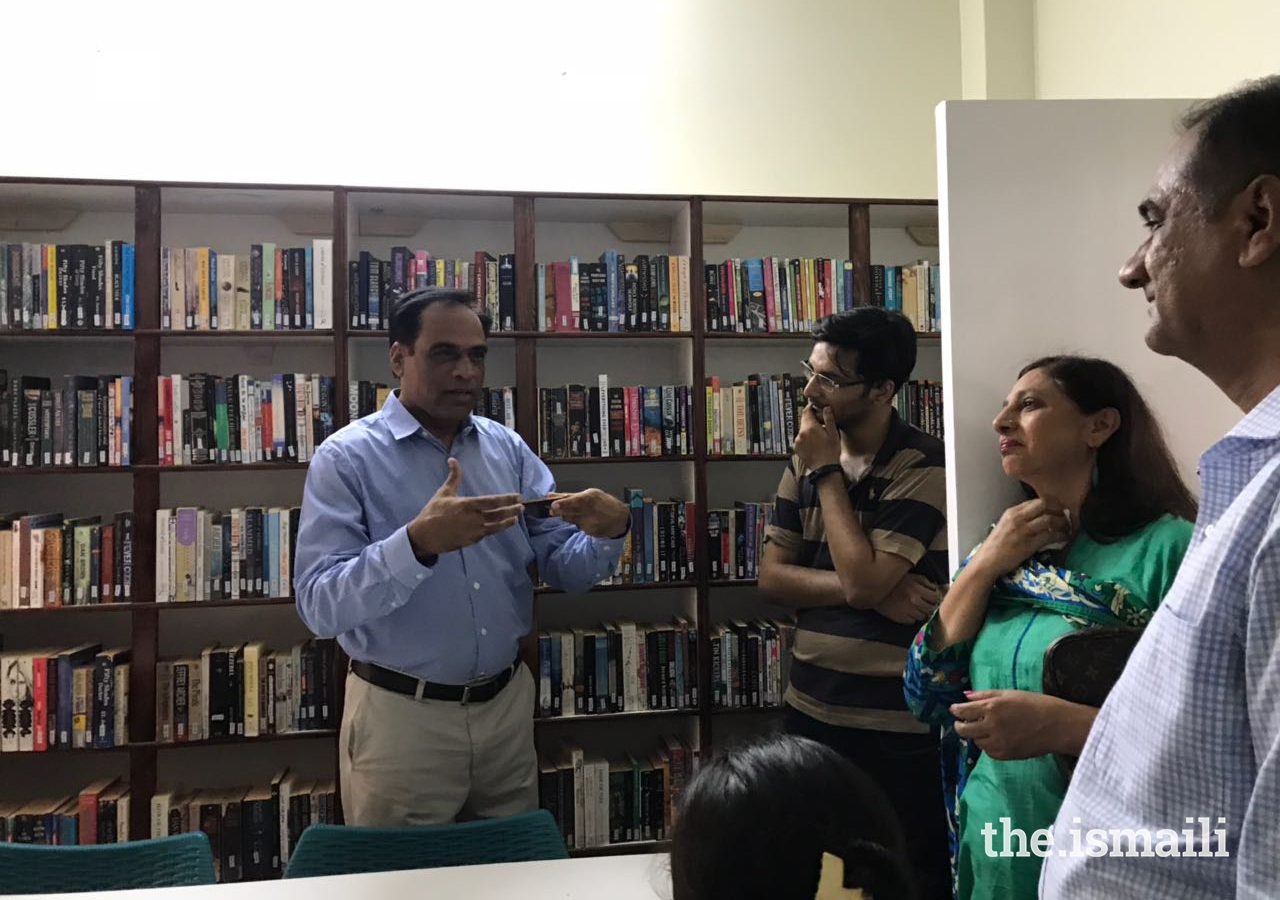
{"x":1099,"y":543}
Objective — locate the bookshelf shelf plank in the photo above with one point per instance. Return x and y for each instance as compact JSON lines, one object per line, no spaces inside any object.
{"x":631,"y":847}
{"x":592,"y":460}
{"x":634,"y":715}
{"x":757,"y":457}
{"x":95,"y":334}
{"x":131,"y":607}
{"x":229,"y":467}
{"x":279,"y":334}
{"x":614,"y":588}
{"x":240,"y":739}
{"x":19,"y":471}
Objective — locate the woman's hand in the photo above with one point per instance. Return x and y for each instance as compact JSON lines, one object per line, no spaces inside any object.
{"x":1022,"y":724}
{"x":1022,"y":531}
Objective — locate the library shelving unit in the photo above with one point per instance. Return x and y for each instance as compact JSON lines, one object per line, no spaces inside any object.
{"x":535,"y":228}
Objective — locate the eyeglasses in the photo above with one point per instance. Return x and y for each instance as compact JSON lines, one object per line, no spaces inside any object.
{"x":826,"y":382}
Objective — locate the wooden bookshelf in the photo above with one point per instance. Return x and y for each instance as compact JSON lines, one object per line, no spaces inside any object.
{"x":340,"y":346}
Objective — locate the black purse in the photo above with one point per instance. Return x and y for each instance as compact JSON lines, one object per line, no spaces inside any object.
{"x":1082,"y":666}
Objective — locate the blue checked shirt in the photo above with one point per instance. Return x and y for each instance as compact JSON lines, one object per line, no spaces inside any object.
{"x":358,"y":580}
{"x":1192,"y":729}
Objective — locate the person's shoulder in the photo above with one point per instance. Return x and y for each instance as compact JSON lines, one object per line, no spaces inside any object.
{"x":496,"y":437}
{"x":1167,"y":534}
{"x":914,"y":452}
{"x":353,"y":440}
{"x":928,"y":449}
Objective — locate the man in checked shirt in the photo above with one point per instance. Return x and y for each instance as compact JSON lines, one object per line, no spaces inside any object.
{"x":1192,"y":729}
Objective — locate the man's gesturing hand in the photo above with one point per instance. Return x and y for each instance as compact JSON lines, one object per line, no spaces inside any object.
{"x":449,"y":522}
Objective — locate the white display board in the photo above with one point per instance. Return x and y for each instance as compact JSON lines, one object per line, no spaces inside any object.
{"x":1038,"y":211}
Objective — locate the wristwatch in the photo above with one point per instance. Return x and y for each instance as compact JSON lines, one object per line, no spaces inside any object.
{"x":822,"y":472}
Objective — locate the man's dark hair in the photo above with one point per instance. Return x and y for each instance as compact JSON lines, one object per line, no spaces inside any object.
{"x":884,"y":340}
{"x":1238,"y":140}
{"x":753,"y":825}
{"x":406,"y":311}
{"x":1137,"y":478}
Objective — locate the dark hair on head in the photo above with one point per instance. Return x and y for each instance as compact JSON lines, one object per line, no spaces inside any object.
{"x":884,"y":340}
{"x":1138,"y":481}
{"x":753,"y":825}
{"x":1238,"y":140}
{"x":406,"y":311}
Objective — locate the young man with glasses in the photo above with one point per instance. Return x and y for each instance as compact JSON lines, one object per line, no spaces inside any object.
{"x":857,"y":547}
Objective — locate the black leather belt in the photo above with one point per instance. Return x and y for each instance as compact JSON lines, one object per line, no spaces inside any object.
{"x":420,"y":689}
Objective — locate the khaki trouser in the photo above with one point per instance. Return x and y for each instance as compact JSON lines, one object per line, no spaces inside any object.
{"x":424,"y":762}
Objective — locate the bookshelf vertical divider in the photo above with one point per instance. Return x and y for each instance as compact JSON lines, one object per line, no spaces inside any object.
{"x":860,"y":247}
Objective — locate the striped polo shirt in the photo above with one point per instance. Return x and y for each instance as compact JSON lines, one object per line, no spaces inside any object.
{"x":847,"y":663}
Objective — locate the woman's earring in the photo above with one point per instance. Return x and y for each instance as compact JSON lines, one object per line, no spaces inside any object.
{"x":1094,"y":478}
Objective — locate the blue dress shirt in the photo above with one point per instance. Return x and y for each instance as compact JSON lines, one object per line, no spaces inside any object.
{"x":1189,"y":738}
{"x":459,"y":620}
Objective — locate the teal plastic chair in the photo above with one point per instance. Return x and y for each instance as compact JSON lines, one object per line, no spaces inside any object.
{"x":178,"y":861}
{"x":346,"y":849}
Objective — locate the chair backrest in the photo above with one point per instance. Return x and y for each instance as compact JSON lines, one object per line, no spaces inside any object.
{"x":184,"y":859}
{"x":345,"y":849}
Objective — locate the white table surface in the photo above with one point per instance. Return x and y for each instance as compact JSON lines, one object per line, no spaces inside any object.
{"x":635,"y":877}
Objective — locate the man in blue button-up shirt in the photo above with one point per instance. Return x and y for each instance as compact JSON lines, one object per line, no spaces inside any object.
{"x":1177,"y":793}
{"x":414,"y":551}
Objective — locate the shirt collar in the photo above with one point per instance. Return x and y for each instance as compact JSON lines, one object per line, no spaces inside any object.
{"x":402,"y":423}
{"x":1262,"y":422}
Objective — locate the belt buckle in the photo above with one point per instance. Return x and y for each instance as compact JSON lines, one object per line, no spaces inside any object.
{"x":466,"y":694}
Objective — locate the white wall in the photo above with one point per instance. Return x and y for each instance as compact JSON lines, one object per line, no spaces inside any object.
{"x":1152,"y":48}
{"x":1037,"y":213}
{"x":814,"y":97}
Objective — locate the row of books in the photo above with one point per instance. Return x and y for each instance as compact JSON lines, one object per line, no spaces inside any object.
{"x":365,"y":398}
{"x":920,"y":403}
{"x":776,"y":294}
{"x":625,"y":667}
{"x":604,"y":421}
{"x":650,"y":293}
{"x":270,"y":288}
{"x":206,"y":418}
{"x":85,"y":421}
{"x":242,"y":553}
{"x":735,"y":540}
{"x":499,"y":404}
{"x":911,"y":290}
{"x":755,"y":416}
{"x":659,"y":545}
{"x":618,"y":667}
{"x":373,"y":284}
{"x":99,"y":814}
{"x":49,"y":560}
{"x":252,"y":830}
{"x":48,"y":287}
{"x":750,"y":663}
{"x":248,"y":691}
{"x":75,"y":697}
{"x":599,"y":801}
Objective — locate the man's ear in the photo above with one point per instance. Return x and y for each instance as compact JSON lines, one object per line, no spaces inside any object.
{"x":884,"y":391}
{"x":396,"y":358}
{"x":1257,"y":208}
